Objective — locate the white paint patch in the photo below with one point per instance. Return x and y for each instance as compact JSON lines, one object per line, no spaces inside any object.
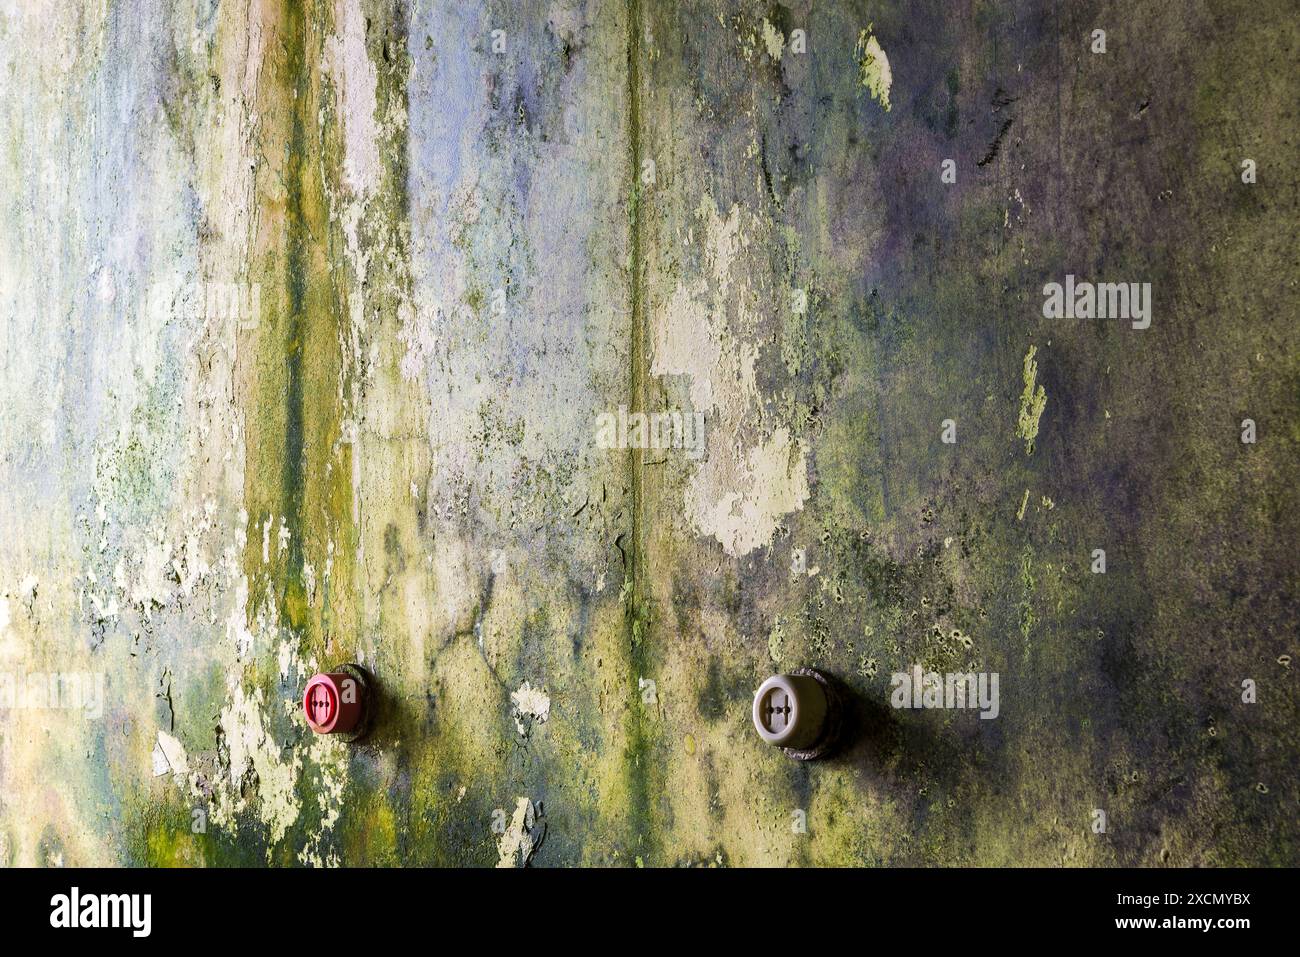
{"x":678,"y":348}
{"x":309,"y":581}
{"x":530,"y":703}
{"x":330,"y":758}
{"x":169,"y":757}
{"x":190,"y":564}
{"x":150,"y":587}
{"x":772,"y":483}
{"x":738,"y":494}
{"x":287,"y":658}
{"x":236,"y":628}
{"x":349,"y":67}
{"x":250,"y":747}
{"x":516,"y":846}
{"x":723,"y":241}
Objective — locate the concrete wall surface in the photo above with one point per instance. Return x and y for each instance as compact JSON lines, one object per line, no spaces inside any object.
{"x":573,"y":365}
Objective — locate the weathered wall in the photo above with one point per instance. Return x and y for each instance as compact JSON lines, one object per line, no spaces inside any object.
{"x":457,"y":249}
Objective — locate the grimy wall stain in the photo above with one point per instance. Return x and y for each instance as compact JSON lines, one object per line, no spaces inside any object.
{"x":309,"y":314}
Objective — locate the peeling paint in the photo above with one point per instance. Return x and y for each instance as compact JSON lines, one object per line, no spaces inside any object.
{"x":770,"y":483}
{"x":169,"y":757}
{"x":522,"y":836}
{"x":530,"y":705}
{"x":873,"y":68}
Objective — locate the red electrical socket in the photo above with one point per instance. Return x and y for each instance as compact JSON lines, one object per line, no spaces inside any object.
{"x":335,"y":702}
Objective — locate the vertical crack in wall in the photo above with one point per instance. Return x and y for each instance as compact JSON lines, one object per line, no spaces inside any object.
{"x":298,"y":477}
{"x":295,"y":381}
{"x":296,"y":267}
{"x":635,"y":609}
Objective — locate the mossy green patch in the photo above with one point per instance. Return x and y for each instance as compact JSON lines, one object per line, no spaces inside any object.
{"x":1032,"y":402}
